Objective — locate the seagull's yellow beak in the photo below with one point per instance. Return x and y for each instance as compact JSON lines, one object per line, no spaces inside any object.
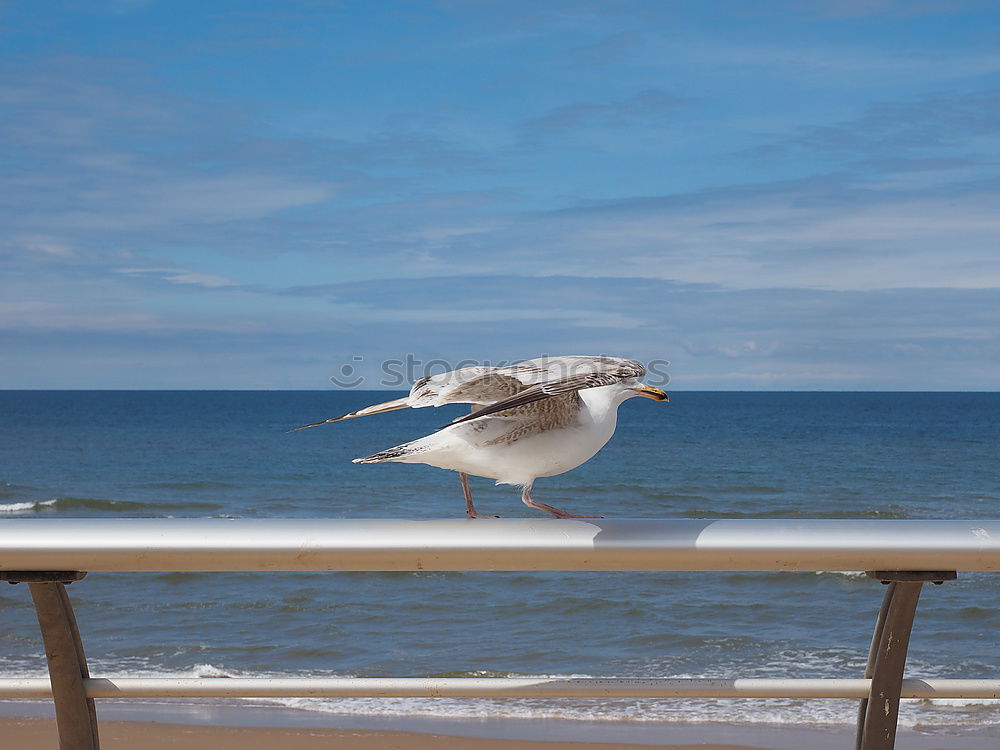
{"x":657,"y":394}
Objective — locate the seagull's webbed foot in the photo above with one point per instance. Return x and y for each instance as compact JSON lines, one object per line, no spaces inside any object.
{"x":563,"y":514}
{"x":473,"y":514}
{"x":557,"y":512}
{"x":470,"y":509}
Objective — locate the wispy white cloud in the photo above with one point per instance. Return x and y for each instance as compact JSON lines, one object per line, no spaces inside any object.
{"x":612,"y":48}
{"x":929,"y":121}
{"x":651,"y":108}
{"x":180,"y":276}
{"x":830,"y":233}
{"x":154,"y":200}
{"x":797,"y":61}
{"x":715,"y":337}
{"x":51,"y":247}
{"x":40,"y":316}
{"x":845,"y":9}
{"x":102,"y":164}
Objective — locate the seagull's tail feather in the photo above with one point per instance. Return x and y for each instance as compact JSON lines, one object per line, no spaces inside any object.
{"x":399,"y":403}
{"x":398,"y":453}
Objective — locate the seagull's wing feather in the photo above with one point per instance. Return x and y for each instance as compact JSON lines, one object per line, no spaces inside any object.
{"x":498,"y":388}
{"x":470,"y":385}
{"x":602,"y":371}
{"x":399,"y":403}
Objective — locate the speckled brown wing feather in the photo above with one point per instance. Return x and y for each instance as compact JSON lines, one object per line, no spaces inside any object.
{"x":612,"y":371}
{"x":470,"y":385}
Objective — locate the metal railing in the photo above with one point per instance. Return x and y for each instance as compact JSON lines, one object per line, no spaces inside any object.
{"x":47,"y":554}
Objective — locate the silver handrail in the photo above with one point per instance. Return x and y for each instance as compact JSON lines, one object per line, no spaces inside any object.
{"x":169,"y":545}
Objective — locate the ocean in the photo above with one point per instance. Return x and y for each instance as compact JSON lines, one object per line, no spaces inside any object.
{"x":109,"y":454}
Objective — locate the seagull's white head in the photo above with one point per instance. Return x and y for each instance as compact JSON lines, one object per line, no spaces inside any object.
{"x":620,"y":392}
{"x":605,"y":400}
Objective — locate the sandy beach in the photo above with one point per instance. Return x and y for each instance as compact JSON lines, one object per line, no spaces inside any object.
{"x":39,"y":733}
{"x":121,"y":735}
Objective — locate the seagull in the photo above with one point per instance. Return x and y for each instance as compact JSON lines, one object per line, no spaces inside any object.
{"x":537,"y":418}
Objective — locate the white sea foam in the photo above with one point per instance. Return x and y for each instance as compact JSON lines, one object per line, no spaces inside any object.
{"x":961,"y":702}
{"x":30,"y":506}
{"x":925,"y":713}
{"x":206,"y":670}
{"x":777,"y":711}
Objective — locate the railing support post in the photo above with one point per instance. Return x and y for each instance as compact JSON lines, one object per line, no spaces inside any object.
{"x":76,"y":717}
{"x":878,"y":714}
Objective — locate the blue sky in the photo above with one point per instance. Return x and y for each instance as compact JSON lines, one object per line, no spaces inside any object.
{"x":787,"y":195}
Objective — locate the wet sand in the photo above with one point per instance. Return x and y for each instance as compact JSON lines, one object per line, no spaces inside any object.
{"x":40,"y":734}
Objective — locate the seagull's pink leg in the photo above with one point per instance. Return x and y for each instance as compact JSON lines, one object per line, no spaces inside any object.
{"x":558,"y":513}
{"x":470,"y":509}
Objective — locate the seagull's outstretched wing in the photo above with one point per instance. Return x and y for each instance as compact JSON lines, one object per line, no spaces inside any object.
{"x":498,"y":388}
{"x":554,"y":376}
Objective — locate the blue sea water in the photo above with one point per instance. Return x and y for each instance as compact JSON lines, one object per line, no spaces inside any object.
{"x":112,"y":454}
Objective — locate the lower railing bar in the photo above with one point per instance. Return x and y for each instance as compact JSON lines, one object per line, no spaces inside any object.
{"x":494,"y":687}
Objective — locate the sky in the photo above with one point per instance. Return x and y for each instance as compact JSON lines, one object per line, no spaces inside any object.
{"x":770,"y":196}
